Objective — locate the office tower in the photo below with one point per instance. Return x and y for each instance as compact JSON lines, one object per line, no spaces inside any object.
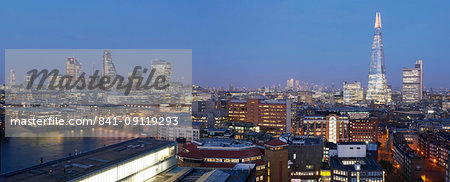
{"x":290,"y":83}
{"x":73,"y":68}
{"x":412,"y":83}
{"x":108,"y":68}
{"x":419,"y":64}
{"x":353,"y":93}
{"x":162,"y":67}
{"x":377,"y":89}
{"x":12,"y":77}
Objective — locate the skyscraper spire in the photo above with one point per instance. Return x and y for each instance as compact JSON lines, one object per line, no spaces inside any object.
{"x":377,"y":88}
{"x":378,"y":20}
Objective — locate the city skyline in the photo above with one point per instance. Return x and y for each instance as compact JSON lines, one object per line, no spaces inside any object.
{"x":268,"y":48}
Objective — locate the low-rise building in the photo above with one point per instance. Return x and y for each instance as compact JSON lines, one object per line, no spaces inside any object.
{"x":221,"y":153}
{"x":134,"y":160}
{"x":332,"y":127}
{"x":353,"y":163}
{"x":409,"y":164}
{"x":305,"y":158}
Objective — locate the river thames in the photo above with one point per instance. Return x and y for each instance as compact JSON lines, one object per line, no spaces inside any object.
{"x":19,"y":153}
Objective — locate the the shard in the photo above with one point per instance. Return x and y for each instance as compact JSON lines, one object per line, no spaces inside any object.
{"x":378,"y":91}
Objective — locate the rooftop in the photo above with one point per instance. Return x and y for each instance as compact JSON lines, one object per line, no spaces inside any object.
{"x":367,"y":164}
{"x":239,"y":173}
{"x":78,"y":165}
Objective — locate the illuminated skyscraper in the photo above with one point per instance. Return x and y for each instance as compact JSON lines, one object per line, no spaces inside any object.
{"x":412,"y":83}
{"x":108,"y":68}
{"x":377,"y":88}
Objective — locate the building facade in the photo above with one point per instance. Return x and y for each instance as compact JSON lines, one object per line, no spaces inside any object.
{"x":271,"y":116}
{"x":73,"y":68}
{"x":305,"y":158}
{"x":353,"y":93}
{"x":377,"y":88}
{"x":222,"y":153}
{"x":108,"y":68}
{"x":352,"y":164}
{"x":332,"y":127}
{"x":363,"y":130}
{"x":276,"y":155}
{"x":412,"y":87}
{"x":410,"y":164}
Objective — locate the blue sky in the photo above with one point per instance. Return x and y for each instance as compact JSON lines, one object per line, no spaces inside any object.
{"x":250,"y":43}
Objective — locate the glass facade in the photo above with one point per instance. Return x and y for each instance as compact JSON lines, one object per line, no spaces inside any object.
{"x":136,"y":169}
{"x":353,"y":93}
{"x":412,"y":83}
{"x":377,"y":88}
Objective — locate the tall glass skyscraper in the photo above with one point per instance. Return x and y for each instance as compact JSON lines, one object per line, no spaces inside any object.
{"x":377,"y":88}
{"x":108,"y":68}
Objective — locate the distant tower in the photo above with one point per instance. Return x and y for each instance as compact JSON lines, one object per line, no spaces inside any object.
{"x":377,"y":88}
{"x":108,"y":68}
{"x":162,"y":67}
{"x":12,"y":77}
{"x":73,"y":68}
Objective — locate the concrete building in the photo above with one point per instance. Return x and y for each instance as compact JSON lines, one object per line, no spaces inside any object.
{"x":353,"y":163}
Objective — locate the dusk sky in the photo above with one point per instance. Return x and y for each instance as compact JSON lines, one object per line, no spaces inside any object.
{"x":245,"y":43}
